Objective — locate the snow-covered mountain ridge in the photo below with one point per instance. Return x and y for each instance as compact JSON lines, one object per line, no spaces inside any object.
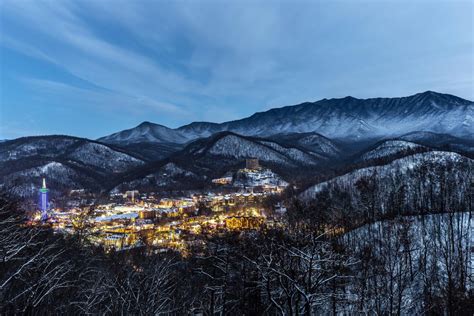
{"x":288,"y":140}
{"x":427,"y":165}
{"x":208,"y":158}
{"x":146,"y":132}
{"x":230,"y":145}
{"x":389,"y":148}
{"x":25,"y":182}
{"x":347,"y":117}
{"x":80,"y":150}
{"x":68,"y":163}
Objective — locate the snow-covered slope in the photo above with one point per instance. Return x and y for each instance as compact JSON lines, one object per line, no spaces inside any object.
{"x":48,"y":146}
{"x":390,"y":148}
{"x":60,"y":177}
{"x":197,"y":130}
{"x":80,"y":150}
{"x":314,"y":142}
{"x":208,"y":158}
{"x":444,"y":141}
{"x":401,"y":251}
{"x":68,"y":162}
{"x":101,"y":156}
{"x":428,"y":137}
{"x":237,"y":147}
{"x":319,"y":144}
{"x":347,"y":117}
{"x":146,"y":132}
{"x":358,"y":118}
{"x":417,"y":174}
{"x":294,"y":153}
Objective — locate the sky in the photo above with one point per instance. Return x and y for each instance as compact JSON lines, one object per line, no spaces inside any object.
{"x":91,"y":68}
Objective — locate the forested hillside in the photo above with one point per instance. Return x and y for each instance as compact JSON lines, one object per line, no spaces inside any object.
{"x":408,"y":265}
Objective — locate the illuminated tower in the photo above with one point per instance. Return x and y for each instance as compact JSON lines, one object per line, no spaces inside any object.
{"x":44,"y":201}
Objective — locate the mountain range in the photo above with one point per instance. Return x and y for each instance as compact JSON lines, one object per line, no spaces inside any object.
{"x":346,"y":118}
{"x":304,"y":144}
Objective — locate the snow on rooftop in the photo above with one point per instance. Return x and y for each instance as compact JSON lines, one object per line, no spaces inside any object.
{"x":116,"y":217}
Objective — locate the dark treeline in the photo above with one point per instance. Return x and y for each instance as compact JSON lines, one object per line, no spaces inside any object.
{"x":332,"y":169}
{"x":373,"y":194}
{"x":339,"y":168}
{"x":409,"y":265}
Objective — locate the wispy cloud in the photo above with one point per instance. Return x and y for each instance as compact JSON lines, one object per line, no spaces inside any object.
{"x":85,"y":55}
{"x":100,"y":98}
{"x":191,"y":60}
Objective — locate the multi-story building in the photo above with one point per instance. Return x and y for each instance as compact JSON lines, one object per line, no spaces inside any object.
{"x":252,"y":164}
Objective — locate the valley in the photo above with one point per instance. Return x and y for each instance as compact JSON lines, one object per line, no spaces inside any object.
{"x":236,"y":158}
{"x":296,"y":200}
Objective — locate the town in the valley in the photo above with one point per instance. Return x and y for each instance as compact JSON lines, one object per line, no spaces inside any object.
{"x":124,"y":220}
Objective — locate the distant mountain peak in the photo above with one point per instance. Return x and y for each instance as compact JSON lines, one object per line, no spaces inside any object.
{"x":349,"y":98}
{"x":151,"y":125}
{"x":145,"y":132}
{"x":430,"y":92}
{"x":441,"y":97}
{"x":146,"y":124}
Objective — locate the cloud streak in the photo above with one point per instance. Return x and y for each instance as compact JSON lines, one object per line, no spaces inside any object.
{"x":99,"y":98}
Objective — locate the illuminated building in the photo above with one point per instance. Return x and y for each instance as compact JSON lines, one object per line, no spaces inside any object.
{"x":131,"y":194}
{"x":243,"y":222}
{"x":145,"y":214}
{"x":223,"y":180}
{"x":169,"y":223}
{"x":44,"y":201}
{"x":118,"y":240}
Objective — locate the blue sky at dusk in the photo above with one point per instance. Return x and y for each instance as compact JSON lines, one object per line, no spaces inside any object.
{"x":91,"y":68}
